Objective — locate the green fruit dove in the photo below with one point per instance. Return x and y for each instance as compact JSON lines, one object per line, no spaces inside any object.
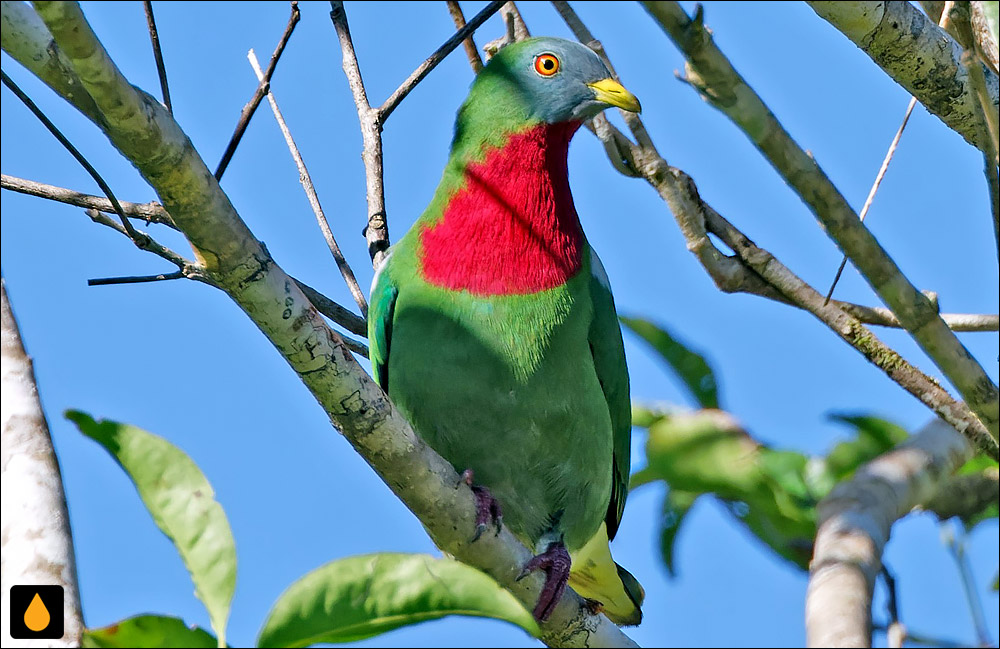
{"x":493,"y":329}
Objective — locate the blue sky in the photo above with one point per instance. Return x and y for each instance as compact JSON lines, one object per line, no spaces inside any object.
{"x":181,"y":360}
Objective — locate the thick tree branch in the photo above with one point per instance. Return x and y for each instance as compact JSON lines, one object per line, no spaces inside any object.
{"x":918,"y":55}
{"x":854,"y":524}
{"x":37,"y":541}
{"x":713,"y":75}
{"x":148,"y":136}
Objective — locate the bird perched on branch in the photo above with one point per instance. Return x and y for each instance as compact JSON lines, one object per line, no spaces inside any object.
{"x":493,"y":329}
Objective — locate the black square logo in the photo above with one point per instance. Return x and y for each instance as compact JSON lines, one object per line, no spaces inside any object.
{"x":36,"y":612}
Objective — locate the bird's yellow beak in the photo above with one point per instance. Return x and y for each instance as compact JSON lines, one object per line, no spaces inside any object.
{"x":611,"y":92}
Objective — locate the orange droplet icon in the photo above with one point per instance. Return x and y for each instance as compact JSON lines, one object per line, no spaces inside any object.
{"x":36,"y":617}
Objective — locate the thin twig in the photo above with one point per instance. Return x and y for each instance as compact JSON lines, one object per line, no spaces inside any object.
{"x":140,"y":279}
{"x":954,"y":538}
{"x":151,"y":212}
{"x":251,"y":107}
{"x":390,"y":104}
{"x":307,"y":185}
{"x":475,"y":61}
{"x":896,"y":631}
{"x":874,"y":189}
{"x":161,"y":70}
{"x":720,"y":84}
{"x":7,"y":81}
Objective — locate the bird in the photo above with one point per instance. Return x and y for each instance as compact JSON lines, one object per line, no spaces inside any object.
{"x":492,"y":326}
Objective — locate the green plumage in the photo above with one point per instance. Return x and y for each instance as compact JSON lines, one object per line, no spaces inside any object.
{"x":530,"y":390}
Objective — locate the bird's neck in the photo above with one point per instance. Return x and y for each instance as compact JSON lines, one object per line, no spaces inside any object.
{"x":510,"y":226}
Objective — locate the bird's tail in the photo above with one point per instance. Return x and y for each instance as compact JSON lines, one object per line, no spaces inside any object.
{"x":595,"y":575}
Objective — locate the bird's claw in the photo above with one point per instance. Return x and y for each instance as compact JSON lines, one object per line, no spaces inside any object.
{"x":555,"y":562}
{"x":487,"y":507}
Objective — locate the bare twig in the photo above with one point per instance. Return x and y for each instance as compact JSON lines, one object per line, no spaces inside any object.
{"x":161,"y":70}
{"x":966,"y":496}
{"x":874,"y":189}
{"x":896,"y":631}
{"x":37,"y":539}
{"x":251,"y":107}
{"x":310,"y":189}
{"x":854,"y":523}
{"x":511,"y":13}
{"x":955,"y":539}
{"x":151,"y":212}
{"x":475,"y":61}
{"x":754,"y":270}
{"x":390,"y":104}
{"x":722,"y":86}
{"x":37,"y":112}
{"x":140,"y":279}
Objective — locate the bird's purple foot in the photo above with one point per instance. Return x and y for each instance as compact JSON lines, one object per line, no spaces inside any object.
{"x":555,"y":561}
{"x":487,"y":507}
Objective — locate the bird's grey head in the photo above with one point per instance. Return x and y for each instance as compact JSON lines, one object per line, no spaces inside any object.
{"x":554,"y":80}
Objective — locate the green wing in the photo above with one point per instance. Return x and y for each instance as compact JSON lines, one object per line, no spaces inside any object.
{"x":609,"y":361}
{"x":381,"y":306}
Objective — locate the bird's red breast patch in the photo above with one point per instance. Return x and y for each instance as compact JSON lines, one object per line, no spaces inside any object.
{"x":512,"y":227}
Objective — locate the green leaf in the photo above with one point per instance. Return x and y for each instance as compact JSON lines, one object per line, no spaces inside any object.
{"x":703,"y":451}
{"x":996,"y":582}
{"x":676,"y":505}
{"x":182,"y":504}
{"x":691,"y":367}
{"x":359,"y":597}
{"x":149,"y":631}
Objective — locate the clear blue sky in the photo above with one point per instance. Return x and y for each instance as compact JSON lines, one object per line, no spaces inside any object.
{"x":181,"y":360}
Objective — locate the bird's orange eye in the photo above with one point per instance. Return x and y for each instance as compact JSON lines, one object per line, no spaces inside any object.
{"x":546,"y":64}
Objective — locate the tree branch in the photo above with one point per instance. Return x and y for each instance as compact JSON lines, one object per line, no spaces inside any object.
{"x":251,"y":107}
{"x":854,"y":524}
{"x":754,"y":270}
{"x":151,"y":212}
{"x":712,"y":73}
{"x":148,"y":136}
{"x":918,"y":55}
{"x":154,"y":38}
{"x":310,"y":189}
{"x":37,"y":540}
{"x":475,"y":61}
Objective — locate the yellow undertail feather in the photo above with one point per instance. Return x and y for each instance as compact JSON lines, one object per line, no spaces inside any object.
{"x":596,"y":576}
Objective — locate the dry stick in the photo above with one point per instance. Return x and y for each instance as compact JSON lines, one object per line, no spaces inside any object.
{"x":132,"y":233}
{"x":137,"y":279}
{"x":307,"y":185}
{"x":756,"y":271}
{"x":372,"y":120}
{"x":875,"y":185}
{"x":151,"y":212}
{"x":722,"y":86}
{"x":956,"y":546}
{"x":154,"y":38}
{"x":432,"y":61}
{"x":475,"y":61}
{"x":251,"y":107}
